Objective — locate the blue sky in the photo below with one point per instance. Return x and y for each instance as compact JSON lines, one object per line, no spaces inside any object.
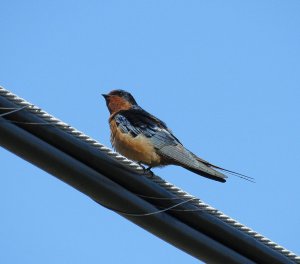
{"x":223,"y":75}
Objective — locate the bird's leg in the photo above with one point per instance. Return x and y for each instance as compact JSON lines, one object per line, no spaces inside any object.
{"x":141,"y":164}
{"x":146,"y":170}
{"x":149,"y":168}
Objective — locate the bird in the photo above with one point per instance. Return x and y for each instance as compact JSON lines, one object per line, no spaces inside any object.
{"x":142,"y":137}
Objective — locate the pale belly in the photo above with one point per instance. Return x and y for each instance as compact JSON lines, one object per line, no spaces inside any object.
{"x":137,"y":148}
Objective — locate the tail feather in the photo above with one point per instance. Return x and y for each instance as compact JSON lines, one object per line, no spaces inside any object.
{"x":178,"y":155}
{"x":211,"y":174}
{"x":242,"y":176}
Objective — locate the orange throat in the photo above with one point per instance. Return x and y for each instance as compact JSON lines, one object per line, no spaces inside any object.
{"x":117,"y":104}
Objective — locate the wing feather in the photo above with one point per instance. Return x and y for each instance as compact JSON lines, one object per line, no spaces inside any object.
{"x":137,"y":121}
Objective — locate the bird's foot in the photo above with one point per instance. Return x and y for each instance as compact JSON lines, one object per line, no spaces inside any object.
{"x":146,"y":170}
{"x":149,"y":171}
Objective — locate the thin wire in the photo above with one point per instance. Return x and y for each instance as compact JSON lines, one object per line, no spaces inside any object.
{"x":13,"y":111}
{"x":188,"y":210}
{"x":161,"y":198}
{"x":147,"y":214}
{"x":8,"y":108}
{"x":29,"y":123}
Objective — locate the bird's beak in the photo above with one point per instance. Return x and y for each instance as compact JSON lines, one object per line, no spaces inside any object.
{"x":105,"y":96}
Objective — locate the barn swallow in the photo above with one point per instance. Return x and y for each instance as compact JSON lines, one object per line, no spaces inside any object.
{"x":144,"y":138}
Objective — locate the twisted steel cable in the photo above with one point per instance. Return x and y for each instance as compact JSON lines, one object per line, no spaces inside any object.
{"x":49,"y":119}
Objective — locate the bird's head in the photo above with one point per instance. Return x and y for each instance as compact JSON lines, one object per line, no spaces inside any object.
{"x":118,"y":100}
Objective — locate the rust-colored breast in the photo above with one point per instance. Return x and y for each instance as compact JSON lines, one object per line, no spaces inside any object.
{"x":137,"y":148}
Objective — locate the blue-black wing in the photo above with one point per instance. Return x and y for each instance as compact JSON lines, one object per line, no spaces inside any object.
{"x":137,"y":121}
